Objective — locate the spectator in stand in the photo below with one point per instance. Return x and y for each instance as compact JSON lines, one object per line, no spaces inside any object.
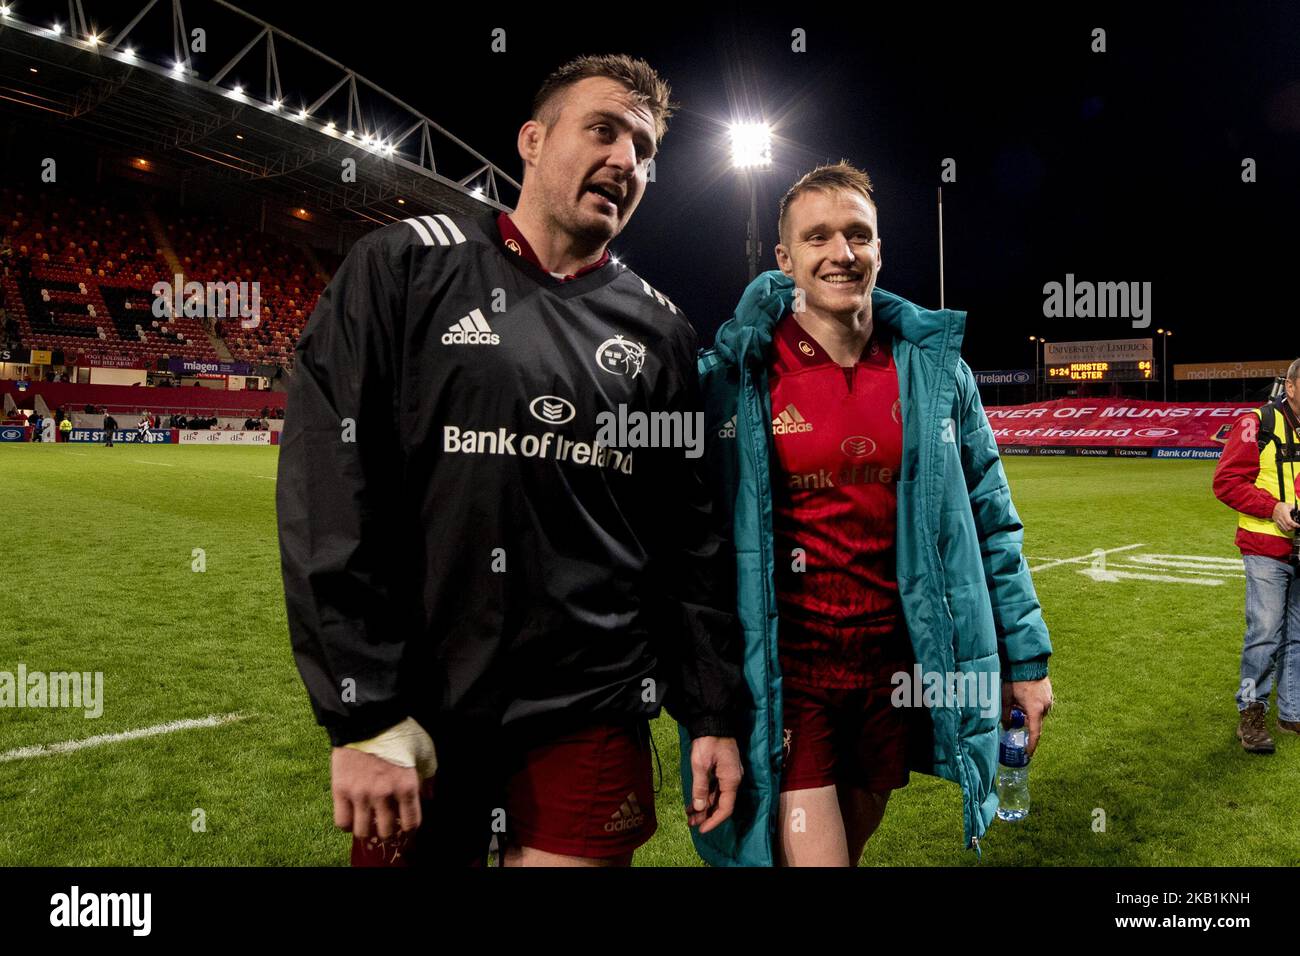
{"x":90,"y":409}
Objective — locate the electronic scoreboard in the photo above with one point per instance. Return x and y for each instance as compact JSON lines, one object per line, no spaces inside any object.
{"x":1142,"y":370}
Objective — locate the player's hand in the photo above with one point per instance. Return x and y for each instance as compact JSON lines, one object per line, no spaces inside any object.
{"x":1282,"y":517}
{"x":1034,"y":699}
{"x":715,"y":779}
{"x":366,"y":788}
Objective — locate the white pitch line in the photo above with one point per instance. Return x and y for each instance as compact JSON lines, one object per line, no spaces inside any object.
{"x":1090,"y":556}
{"x":267,"y":477}
{"x":145,"y":461}
{"x":1110,"y":577}
{"x":68,"y":746}
{"x":1148,"y":567}
{"x":1191,"y":561}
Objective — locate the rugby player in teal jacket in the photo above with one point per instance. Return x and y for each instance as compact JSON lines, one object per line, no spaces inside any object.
{"x":888,"y":612}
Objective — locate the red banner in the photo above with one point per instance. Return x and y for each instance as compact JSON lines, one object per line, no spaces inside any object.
{"x":1086,"y":422}
{"x":183,"y":398}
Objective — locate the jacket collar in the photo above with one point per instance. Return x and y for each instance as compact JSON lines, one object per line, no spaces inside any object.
{"x":747,"y":335}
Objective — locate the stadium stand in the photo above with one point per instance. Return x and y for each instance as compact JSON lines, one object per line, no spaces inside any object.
{"x":289,"y":282}
{"x":82,"y":278}
{"x":83,"y":272}
{"x":167,"y":167}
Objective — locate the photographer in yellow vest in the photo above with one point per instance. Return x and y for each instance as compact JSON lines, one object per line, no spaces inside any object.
{"x":1256,"y":476}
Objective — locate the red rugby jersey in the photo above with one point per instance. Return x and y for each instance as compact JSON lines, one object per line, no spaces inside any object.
{"x":838,"y":438}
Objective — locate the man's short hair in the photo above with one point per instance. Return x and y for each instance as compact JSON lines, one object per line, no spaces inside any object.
{"x":647,"y":87}
{"x":825,"y":179}
{"x":1293,"y":373}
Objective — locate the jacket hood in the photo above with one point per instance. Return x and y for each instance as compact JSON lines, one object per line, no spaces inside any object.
{"x":747,"y":334}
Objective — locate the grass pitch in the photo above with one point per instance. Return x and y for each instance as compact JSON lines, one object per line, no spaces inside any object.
{"x":1138,"y":765}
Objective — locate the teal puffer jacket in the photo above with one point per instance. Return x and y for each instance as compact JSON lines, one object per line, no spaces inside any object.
{"x":966,"y":592}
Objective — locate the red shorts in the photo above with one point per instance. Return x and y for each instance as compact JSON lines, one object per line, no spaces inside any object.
{"x":848,"y":737}
{"x":587,"y":793}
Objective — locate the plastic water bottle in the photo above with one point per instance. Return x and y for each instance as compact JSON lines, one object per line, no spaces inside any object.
{"x":1013,"y":770}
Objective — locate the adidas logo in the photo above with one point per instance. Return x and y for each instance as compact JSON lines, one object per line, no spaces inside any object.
{"x":658,"y":297}
{"x":436,"y":230}
{"x":790,"y":421}
{"x":471,"y":330}
{"x":627,"y":817}
{"x":729,"y":429}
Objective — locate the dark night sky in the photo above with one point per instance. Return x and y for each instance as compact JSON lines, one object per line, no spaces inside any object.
{"x":1115,"y":166}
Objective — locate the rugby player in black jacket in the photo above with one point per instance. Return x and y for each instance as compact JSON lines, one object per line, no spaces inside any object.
{"x":475,"y":584}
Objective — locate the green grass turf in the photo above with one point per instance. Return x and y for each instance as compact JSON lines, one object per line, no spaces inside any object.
{"x":99,"y":550}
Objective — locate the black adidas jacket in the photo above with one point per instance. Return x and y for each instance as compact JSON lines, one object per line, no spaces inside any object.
{"x":454,"y":546}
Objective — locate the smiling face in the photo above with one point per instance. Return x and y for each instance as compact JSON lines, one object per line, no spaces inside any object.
{"x":831,"y":249}
{"x":586,"y":169}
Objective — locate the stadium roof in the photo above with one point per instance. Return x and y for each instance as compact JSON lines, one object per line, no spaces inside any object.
{"x":236,"y":101}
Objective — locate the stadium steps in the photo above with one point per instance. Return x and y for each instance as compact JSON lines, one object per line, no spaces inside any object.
{"x":174,"y":264}
{"x":160,"y":237}
{"x":315,"y":263}
{"x":218,"y":345}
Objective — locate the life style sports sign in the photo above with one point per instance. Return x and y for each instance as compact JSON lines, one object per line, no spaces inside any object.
{"x":156,"y":436}
{"x":1116,"y":423}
